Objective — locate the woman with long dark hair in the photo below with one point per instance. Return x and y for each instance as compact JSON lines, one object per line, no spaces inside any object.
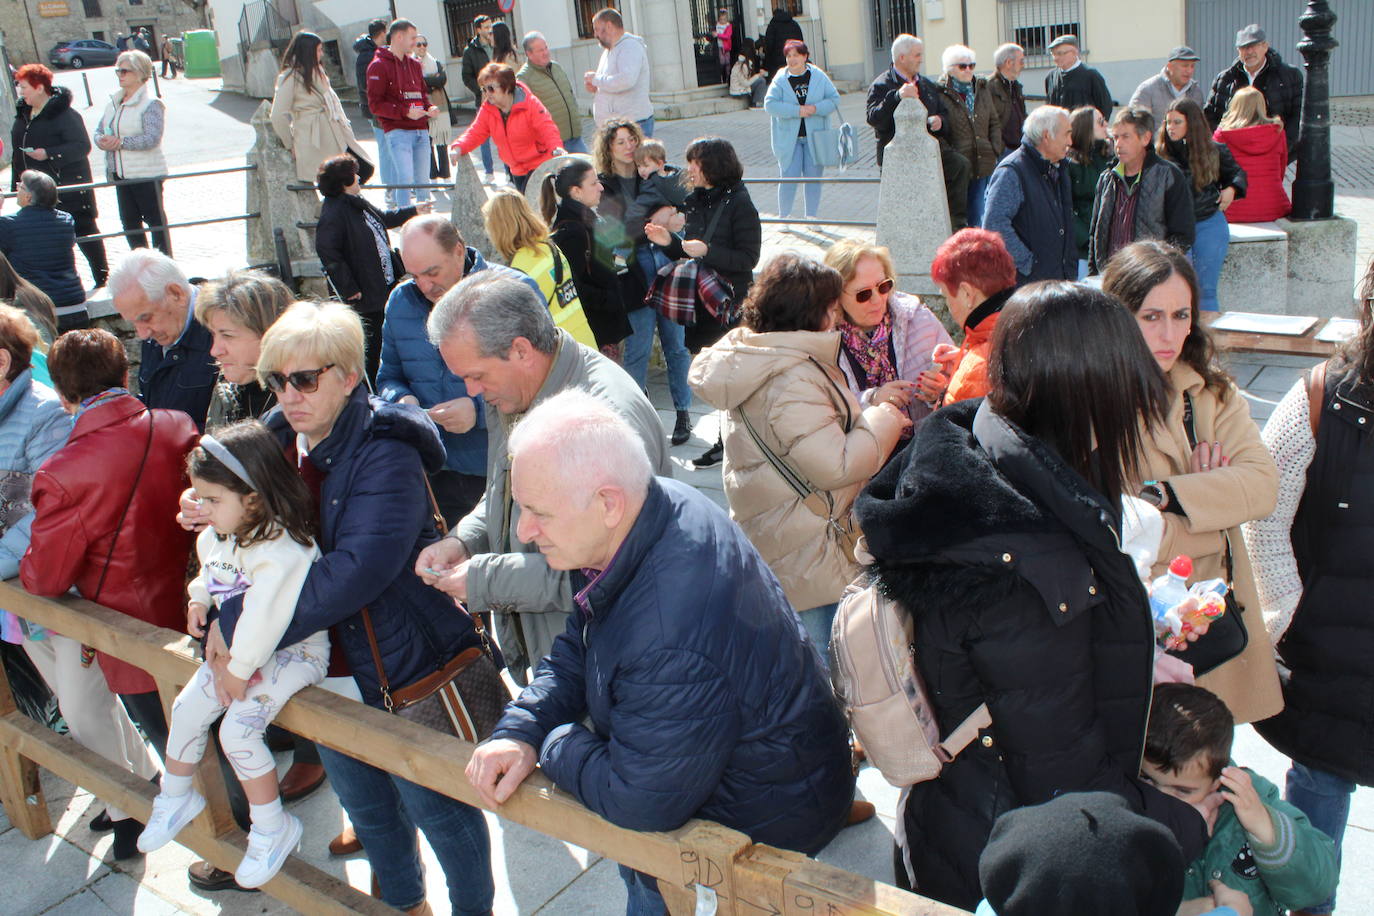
{"x":997,"y":530}
{"x":1185,"y":139}
{"x":1088,"y":157}
{"x":1204,"y":465}
{"x":1313,"y":576}
{"x":503,"y":45}
{"x":306,"y":112}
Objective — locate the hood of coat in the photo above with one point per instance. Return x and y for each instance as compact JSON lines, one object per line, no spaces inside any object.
{"x":741,"y":363}
{"x":1256,"y":140}
{"x":60,"y":102}
{"x":365,"y":45}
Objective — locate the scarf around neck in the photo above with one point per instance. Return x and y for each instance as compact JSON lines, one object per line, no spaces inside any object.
{"x":870,"y":352}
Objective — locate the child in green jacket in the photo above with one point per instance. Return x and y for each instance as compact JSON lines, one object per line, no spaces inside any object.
{"x":1259,"y":843}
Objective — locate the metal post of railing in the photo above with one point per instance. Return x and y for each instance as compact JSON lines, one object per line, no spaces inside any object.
{"x":86,"y":81}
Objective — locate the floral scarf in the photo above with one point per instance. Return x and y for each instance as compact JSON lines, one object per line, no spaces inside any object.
{"x":870,"y":352}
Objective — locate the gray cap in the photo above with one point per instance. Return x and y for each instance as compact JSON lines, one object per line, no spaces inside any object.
{"x":1064,"y":40}
{"x":1182,"y":52}
{"x":1251,"y":34}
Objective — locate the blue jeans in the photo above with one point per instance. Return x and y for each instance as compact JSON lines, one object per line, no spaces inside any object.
{"x":1208,"y":254}
{"x":671,"y":336}
{"x":641,"y":890}
{"x":647,"y":125}
{"x":574,"y":145}
{"x":977,"y":197}
{"x":386,"y":809}
{"x":386,"y":168}
{"x":1325,"y":799}
{"x":817,"y":622}
{"x":410,"y":158}
{"x":803,"y":165}
{"x":485,"y":152}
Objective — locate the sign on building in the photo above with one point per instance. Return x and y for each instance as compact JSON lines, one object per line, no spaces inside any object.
{"x":53,"y":9}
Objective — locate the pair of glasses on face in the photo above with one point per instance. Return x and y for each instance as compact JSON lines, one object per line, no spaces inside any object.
{"x":881,"y":289}
{"x":491,"y":89}
{"x":968,"y":66}
{"x":306,"y":381}
{"x":121,"y":71}
{"x":422,"y":44}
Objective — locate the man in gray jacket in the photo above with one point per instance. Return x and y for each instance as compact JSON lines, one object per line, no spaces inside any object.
{"x":1175,"y":81}
{"x":495,"y":334}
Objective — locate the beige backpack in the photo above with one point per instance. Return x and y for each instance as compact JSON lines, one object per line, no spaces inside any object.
{"x":873,"y":670}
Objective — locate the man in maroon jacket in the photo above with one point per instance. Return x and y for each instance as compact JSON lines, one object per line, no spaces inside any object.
{"x":398,"y":99}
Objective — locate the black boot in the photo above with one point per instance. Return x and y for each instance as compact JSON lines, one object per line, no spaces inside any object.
{"x":126,"y":834}
{"x":711,"y":457}
{"x":683,"y":430}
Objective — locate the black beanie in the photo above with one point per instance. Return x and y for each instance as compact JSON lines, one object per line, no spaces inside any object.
{"x":1083,"y":853}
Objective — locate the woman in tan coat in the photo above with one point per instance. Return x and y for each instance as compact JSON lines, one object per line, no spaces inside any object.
{"x":1205,"y":491}
{"x":307,"y":114}
{"x":778,"y":373}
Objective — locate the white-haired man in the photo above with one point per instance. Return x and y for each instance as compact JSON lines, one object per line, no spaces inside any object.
{"x":700,"y":694}
{"x":903,"y":80}
{"x":1030,"y":203}
{"x":176,"y":370}
{"x":496,"y":334}
{"x":1008,"y":95}
{"x":550,"y":84}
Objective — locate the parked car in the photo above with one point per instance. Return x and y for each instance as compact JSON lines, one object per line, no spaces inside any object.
{"x":88,"y":52}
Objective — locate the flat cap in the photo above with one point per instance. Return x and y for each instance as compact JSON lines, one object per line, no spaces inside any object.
{"x":1251,"y":34}
{"x":1183,"y":52}
{"x":1064,"y":40}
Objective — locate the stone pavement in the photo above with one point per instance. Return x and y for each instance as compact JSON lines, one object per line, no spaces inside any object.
{"x":71,"y":873}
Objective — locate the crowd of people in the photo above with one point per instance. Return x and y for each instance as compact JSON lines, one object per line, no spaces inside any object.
{"x":453,"y":469}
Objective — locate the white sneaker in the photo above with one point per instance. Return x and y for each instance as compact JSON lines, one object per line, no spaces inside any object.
{"x":170,"y":814}
{"x":267,"y":853}
{"x":489,"y":178}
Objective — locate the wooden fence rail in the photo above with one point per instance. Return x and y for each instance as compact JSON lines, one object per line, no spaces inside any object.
{"x":746,"y":878}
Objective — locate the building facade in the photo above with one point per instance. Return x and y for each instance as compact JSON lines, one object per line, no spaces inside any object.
{"x":33,"y":27}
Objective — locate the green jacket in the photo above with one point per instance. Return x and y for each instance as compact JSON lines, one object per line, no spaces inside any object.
{"x":1298,"y":871}
{"x":553,"y":88}
{"x":1083,"y":183}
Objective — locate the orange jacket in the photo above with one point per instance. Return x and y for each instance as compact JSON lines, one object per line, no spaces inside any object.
{"x":970,"y":378}
{"x":525,"y":137}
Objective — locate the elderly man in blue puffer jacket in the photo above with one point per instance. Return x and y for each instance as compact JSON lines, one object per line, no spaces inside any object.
{"x":702,"y":694}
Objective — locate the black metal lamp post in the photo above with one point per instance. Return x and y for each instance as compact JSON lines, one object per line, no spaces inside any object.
{"x":1314,"y":193}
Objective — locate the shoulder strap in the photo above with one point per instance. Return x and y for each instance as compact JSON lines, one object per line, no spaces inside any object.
{"x":1188,"y":426}
{"x":1316,"y":395}
{"x":711,"y":224}
{"x":382,"y":681}
{"x":119,"y":526}
{"x":557,"y":256}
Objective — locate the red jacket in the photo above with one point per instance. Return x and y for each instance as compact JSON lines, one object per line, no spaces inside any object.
{"x":1262,"y":151}
{"x":525,"y":138}
{"x":395,"y":85}
{"x":80,"y":494}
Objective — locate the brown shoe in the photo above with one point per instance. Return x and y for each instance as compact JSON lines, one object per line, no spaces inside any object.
{"x":420,"y":909}
{"x":346,"y":843}
{"x":859,"y":811}
{"x":301,"y":780}
{"x":206,"y":877}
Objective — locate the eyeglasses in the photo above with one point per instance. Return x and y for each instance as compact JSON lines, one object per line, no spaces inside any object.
{"x":968,"y":66}
{"x":882,"y":289}
{"x":120,"y":71}
{"x":422,"y":44}
{"x":491,"y":89}
{"x":306,"y":381}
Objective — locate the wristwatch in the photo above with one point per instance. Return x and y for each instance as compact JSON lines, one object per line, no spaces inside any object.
{"x":1154,"y":494}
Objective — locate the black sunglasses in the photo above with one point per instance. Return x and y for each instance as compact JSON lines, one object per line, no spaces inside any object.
{"x":969,"y":66}
{"x":306,"y":381}
{"x":883,"y":289}
{"x":491,"y":88}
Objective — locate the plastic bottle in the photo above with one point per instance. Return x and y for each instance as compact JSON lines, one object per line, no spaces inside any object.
{"x":1168,"y":592}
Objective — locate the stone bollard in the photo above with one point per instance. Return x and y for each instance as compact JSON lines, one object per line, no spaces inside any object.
{"x":544,"y":170}
{"x":268,"y":195}
{"x":467,"y":197}
{"x":913,"y":210}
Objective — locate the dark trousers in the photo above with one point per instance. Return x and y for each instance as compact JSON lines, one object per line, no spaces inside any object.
{"x":93,"y":250}
{"x":438,"y":166}
{"x":456,"y":493}
{"x":957,"y":174}
{"x":140,"y":204}
{"x":73,"y":322}
{"x":372,"y":344}
{"x":146,"y":711}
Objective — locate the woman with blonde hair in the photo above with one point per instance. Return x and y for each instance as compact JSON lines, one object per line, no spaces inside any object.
{"x":522,"y":239}
{"x":130,"y":132}
{"x":1260,"y":148}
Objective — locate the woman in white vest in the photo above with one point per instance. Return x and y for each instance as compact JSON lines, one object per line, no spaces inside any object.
{"x":130,"y":133}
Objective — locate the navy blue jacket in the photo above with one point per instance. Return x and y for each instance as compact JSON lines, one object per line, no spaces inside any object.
{"x":375,"y":519}
{"x":41,"y":244}
{"x":181,"y":377}
{"x":705,"y":696}
{"x":1030,"y":204}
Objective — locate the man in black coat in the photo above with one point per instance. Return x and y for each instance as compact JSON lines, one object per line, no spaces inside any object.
{"x":1073,"y":83}
{"x":782,"y":28}
{"x":903,"y":80}
{"x":1260,"y":66}
{"x":177,"y":371}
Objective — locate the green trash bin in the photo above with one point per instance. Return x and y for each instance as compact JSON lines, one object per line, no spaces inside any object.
{"x":201,"y":52}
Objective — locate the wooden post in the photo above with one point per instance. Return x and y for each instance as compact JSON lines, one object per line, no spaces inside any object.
{"x":21,"y":793}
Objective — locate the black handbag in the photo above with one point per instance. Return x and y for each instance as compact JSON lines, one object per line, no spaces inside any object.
{"x":1227,"y":637}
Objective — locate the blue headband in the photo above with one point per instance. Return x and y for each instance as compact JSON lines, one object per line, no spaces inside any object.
{"x":226,"y":458}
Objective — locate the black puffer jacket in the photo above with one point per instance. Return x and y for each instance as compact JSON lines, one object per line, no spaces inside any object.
{"x":1281,"y":85}
{"x":575,"y":231}
{"x":365,"y":49}
{"x":59,"y":132}
{"x":349,"y":251}
{"x":1008,"y":561}
{"x":1230,"y":175}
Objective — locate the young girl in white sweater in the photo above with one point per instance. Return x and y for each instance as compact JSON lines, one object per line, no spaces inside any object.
{"x":259,"y":545}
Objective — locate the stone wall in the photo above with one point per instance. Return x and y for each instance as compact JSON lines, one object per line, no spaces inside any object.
{"x":29,"y":36}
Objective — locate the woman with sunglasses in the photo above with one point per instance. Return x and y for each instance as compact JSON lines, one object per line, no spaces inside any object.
{"x":130,"y":132}
{"x":975,"y":129}
{"x":366,"y":460}
{"x":522,"y":128}
{"x":440,"y":128}
{"x":886,"y":337}
{"x":976,"y":275}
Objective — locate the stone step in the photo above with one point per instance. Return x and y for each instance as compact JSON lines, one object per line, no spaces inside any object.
{"x":677,"y":109}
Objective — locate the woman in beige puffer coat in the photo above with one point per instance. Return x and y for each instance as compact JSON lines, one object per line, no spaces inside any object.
{"x":779,"y":370}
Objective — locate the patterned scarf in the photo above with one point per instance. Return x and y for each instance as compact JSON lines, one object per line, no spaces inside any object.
{"x":871,"y":352}
{"x":966,"y":90}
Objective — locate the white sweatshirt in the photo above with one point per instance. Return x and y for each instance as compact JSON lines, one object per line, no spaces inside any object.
{"x":270,"y":575}
{"x":622,"y":82}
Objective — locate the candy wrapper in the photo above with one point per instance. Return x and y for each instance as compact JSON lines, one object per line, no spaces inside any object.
{"x":1206,"y":601}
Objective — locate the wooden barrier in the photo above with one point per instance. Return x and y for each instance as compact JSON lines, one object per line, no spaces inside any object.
{"x":746,"y":878}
